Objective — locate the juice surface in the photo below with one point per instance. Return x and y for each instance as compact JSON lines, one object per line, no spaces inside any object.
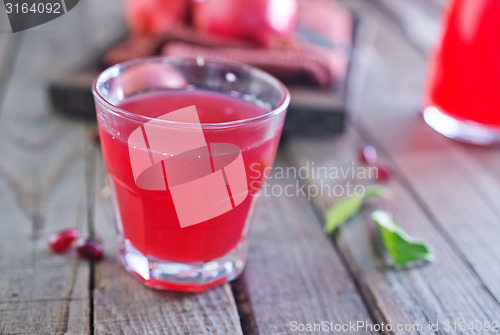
{"x":464,"y":76}
{"x":149,"y":219}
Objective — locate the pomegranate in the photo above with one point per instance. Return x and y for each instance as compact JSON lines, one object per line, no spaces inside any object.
{"x":269,"y":23}
{"x":63,"y":240}
{"x":146,"y":17}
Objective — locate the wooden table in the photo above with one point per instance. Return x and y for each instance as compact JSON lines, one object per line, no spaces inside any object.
{"x":446,"y":193}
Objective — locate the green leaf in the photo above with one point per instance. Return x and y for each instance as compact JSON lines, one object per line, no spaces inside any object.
{"x":402,"y":248}
{"x":345,"y":208}
{"x":341,"y":211}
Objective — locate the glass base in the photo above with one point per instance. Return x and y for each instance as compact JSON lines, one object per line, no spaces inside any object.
{"x":186,"y":277}
{"x":461,"y":130}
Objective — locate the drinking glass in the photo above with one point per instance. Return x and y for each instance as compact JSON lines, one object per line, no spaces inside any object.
{"x":186,"y":142}
{"x":462,"y":99}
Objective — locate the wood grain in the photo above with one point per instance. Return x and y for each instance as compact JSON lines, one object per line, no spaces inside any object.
{"x":8,"y":49}
{"x":123,"y":305}
{"x":442,"y":195}
{"x":407,"y":296}
{"x":293,"y":273}
{"x":42,"y":184}
{"x":42,"y":187}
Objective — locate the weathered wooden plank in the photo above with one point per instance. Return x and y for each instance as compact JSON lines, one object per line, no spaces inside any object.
{"x":458,"y":194}
{"x":43,"y":317}
{"x":488,"y":158}
{"x":5,"y":30}
{"x":446,"y":290}
{"x":41,"y":193}
{"x":122,"y":305}
{"x":293,"y":275}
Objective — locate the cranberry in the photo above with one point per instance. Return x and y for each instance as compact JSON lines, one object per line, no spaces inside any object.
{"x":368,"y":154}
{"x":63,"y":240}
{"x":384,"y":172}
{"x":90,"y":250}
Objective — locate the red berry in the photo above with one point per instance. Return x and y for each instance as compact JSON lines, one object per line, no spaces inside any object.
{"x":368,"y":154}
{"x":63,"y":240}
{"x":90,"y":250}
{"x":384,"y":172}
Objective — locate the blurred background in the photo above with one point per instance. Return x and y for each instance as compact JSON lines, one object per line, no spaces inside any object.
{"x":309,"y":44}
{"x":357,"y":71}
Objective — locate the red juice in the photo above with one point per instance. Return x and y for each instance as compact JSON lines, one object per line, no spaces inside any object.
{"x":148,"y":217}
{"x":464,"y":74}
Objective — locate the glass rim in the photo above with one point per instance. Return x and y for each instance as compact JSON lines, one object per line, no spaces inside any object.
{"x":114,"y":70}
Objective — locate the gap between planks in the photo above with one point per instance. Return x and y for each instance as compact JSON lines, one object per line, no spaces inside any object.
{"x":455,"y":188}
{"x":453,"y":299}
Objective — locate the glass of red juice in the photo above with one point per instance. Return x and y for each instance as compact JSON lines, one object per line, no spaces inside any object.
{"x":184,"y":140}
{"x":462,"y":99}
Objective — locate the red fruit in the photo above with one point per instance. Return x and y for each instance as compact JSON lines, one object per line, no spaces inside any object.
{"x":154,"y":16}
{"x":63,"y":240}
{"x":384,"y":172}
{"x":90,"y":250}
{"x":266,"y":22}
{"x":368,"y":154}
